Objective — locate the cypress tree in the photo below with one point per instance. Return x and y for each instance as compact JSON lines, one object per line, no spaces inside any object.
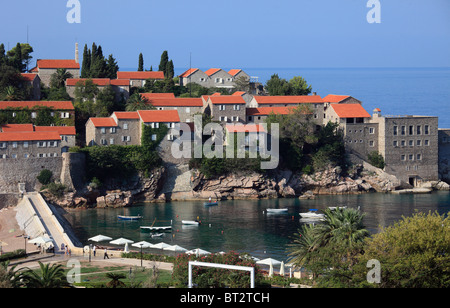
{"x":86,"y":64}
{"x":163,"y":62}
{"x":141,"y":63}
{"x":169,"y":72}
{"x":2,"y":54}
{"x":111,"y":68}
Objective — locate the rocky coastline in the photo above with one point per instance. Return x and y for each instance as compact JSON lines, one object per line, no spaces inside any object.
{"x":279,"y":184}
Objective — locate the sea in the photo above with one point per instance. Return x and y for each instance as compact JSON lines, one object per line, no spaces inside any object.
{"x":396,"y":91}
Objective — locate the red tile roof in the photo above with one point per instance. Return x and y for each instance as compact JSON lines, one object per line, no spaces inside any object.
{"x":189,"y":72}
{"x":269,"y":110}
{"x":350,"y":111}
{"x":62,"y":130}
{"x":226,"y":99}
{"x":29,"y":136}
{"x":212,"y":71}
{"x":120,"y":82}
{"x":250,"y":128}
{"x":17,"y":128}
{"x":332,"y":98}
{"x":140,"y":75}
{"x":157,"y":95}
{"x":57,"y":105}
{"x":300,"y":99}
{"x":234,"y":72}
{"x":103,"y":122}
{"x":176,"y":102}
{"x":158,"y":116}
{"x":126,"y":115}
{"x":29,"y":76}
{"x":238,"y":93}
{"x":68,"y":64}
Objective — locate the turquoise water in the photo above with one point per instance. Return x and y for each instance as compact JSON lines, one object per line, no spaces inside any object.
{"x":243,"y":225}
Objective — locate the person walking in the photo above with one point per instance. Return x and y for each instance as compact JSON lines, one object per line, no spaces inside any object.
{"x":93,"y":250}
{"x":106,"y":254}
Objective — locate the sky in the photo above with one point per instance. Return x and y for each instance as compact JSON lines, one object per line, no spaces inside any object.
{"x":237,"y":33}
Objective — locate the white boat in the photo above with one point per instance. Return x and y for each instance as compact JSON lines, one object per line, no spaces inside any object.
{"x":149,"y":229}
{"x":123,"y":217}
{"x":190,"y":222}
{"x":312,"y":214}
{"x":277,"y":210}
{"x":157,"y":234}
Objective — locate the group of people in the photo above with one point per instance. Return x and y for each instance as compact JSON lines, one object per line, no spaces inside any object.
{"x":94,"y":250}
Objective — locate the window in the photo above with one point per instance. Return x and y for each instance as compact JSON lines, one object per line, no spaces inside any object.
{"x":236,"y":107}
{"x":221,"y":107}
{"x":223,"y":119}
{"x":33,"y":115}
{"x":2,"y":156}
{"x":153,"y":137}
{"x":411,"y":143}
{"x":419,"y":156}
{"x":103,"y":141}
{"x":395,"y":143}
{"x":419,"y":143}
{"x":25,"y":144}
{"x":427,"y":142}
{"x":112,"y":130}
{"x":111,"y":140}
{"x":395,"y":130}
{"x":41,"y":144}
{"x":103,"y":130}
{"x":14,"y":144}
{"x":427,"y":130}
{"x":371,"y":143}
{"x":26,"y":155}
{"x":411,"y":130}
{"x":125,"y":125}
{"x":202,"y":79}
{"x":13,"y":155}
{"x":419,"y":130}
{"x":250,"y":118}
{"x":188,"y":110}
{"x":52,"y":144}
{"x":235,"y":119}
{"x":403,"y":143}
{"x":403,"y":157}
{"x":411,"y":156}
{"x":2,"y":145}
{"x":218,"y":80}
{"x":126,"y":138}
{"x":65,"y":115}
{"x":371,"y":130}
{"x":170,"y":137}
{"x":403,"y":131}
{"x":41,"y":155}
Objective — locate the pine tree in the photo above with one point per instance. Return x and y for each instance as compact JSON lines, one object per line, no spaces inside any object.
{"x":2,"y":54}
{"x":86,"y":65}
{"x":141,"y":63}
{"x":111,"y":68}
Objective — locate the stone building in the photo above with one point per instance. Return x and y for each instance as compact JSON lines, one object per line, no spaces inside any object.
{"x":226,"y":108}
{"x":218,"y":78}
{"x":34,"y":82}
{"x":121,"y":87}
{"x":212,"y":78}
{"x":409,"y":145}
{"x":313,"y":102}
{"x":62,"y":112}
{"x":46,"y":68}
{"x":193,"y":75}
{"x":187,"y":107}
{"x":138,"y":79}
{"x":125,"y":128}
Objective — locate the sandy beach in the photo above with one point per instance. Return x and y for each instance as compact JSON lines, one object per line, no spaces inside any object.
{"x":10,"y":233}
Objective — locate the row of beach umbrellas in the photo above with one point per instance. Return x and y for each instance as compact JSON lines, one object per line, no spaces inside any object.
{"x":175,"y":248}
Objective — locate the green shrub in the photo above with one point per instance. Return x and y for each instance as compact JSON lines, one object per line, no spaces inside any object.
{"x":376,"y":159}
{"x":45,"y":177}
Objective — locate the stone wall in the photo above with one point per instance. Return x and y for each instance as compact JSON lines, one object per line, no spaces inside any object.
{"x":15,"y":171}
{"x":73,"y":170}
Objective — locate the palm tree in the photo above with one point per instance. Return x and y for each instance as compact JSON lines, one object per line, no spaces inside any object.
{"x":9,"y":277}
{"x":10,"y":93}
{"x":137,"y":102}
{"x":47,"y":277}
{"x":59,"y":77}
{"x":115,"y":280}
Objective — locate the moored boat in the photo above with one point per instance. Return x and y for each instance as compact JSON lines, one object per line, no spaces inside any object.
{"x":277,"y":210}
{"x":150,"y":229}
{"x":123,"y":217}
{"x":312,"y":214}
{"x":211,"y":203}
{"x":190,"y":222}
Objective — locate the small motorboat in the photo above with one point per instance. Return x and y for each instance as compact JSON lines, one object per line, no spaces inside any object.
{"x":275,"y":211}
{"x":123,"y":217}
{"x":150,"y":229}
{"x":157,"y":234}
{"x":211,"y":203}
{"x":312,"y":214}
{"x":190,"y":222}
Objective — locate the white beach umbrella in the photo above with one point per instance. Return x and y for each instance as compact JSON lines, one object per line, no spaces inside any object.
{"x":175,"y":248}
{"x":40,"y":240}
{"x":142,"y":244}
{"x":100,"y":238}
{"x":161,"y":245}
{"x":121,"y":241}
{"x":269,"y":261}
{"x":271,"y":270}
{"x":282,"y":269}
{"x":197,"y":252}
{"x":125,"y":249}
